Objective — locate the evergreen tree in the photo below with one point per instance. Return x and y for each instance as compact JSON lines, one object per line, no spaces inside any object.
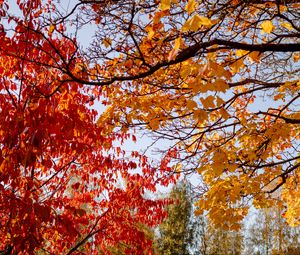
{"x":177,"y":232}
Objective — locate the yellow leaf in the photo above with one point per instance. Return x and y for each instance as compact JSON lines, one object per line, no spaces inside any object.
{"x":191,"y":6}
{"x":174,"y":51}
{"x":51,"y":29}
{"x":224,"y":114}
{"x":177,"y":43}
{"x":191,"y":104}
{"x":195,"y":22}
{"x":150,"y":33}
{"x":219,"y":70}
{"x":202,"y":21}
{"x":186,"y":26}
{"x":279,"y":96}
{"x":198,"y":87}
{"x":221,"y":85}
{"x":286,"y":25}
{"x":165,"y":5}
{"x":241,"y":53}
{"x":267,"y":27}
{"x":255,"y":56}
{"x":200,"y":115}
{"x":296,"y":57}
{"x":154,"y":124}
{"x":178,"y":168}
{"x":283,"y":8}
{"x":208,"y":102}
{"x":106,"y":42}
{"x":237,"y":65}
{"x":220,"y":101}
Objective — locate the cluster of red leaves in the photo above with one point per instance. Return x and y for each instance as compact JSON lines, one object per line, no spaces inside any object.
{"x":63,"y":184}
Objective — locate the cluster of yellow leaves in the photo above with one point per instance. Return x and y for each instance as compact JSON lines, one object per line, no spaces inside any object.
{"x":191,"y":6}
{"x":195,"y":23}
{"x":196,"y":93}
{"x":267,"y":27}
{"x":253,"y":56}
{"x":223,"y":205}
{"x":166,"y":4}
{"x":290,"y":192}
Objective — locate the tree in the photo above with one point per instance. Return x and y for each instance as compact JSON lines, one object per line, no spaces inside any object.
{"x":177,"y":231}
{"x":59,"y":167}
{"x":182,"y":233}
{"x":261,"y":233}
{"x":218,"y":78}
{"x":270,"y":234}
{"x":219,"y":241}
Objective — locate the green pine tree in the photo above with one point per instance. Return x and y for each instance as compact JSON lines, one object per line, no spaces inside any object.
{"x":176,"y":233}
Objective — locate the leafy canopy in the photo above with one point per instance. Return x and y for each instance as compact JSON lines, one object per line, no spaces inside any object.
{"x":218,"y":78}
{"x":65,"y":183}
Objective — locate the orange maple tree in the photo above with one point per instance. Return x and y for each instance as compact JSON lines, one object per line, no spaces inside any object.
{"x":66,"y":186}
{"x":218,"y":78}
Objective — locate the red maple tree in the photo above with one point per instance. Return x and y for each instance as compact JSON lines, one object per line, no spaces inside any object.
{"x":65,"y":184}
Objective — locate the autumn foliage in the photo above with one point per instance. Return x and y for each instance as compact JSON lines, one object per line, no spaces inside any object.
{"x":218,"y":79}
{"x":66,"y":185}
